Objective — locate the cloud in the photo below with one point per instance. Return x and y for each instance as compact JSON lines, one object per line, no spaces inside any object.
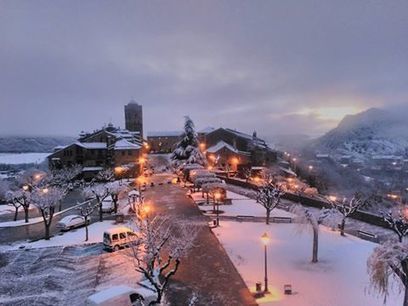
{"x":271,"y":66}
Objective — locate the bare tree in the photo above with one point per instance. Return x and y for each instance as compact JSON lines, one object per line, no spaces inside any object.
{"x":160,"y":246}
{"x":247,"y":174}
{"x":99,"y":193}
{"x":85,"y":211}
{"x":63,"y":179}
{"x":32,"y":179}
{"x":389,"y":261}
{"x":46,"y":200}
{"x":307,"y":217}
{"x":114,"y":189}
{"x":347,"y":208}
{"x":106,"y":175}
{"x":20,"y":198}
{"x":397,"y":219}
{"x":269,"y":196}
{"x":10,"y":197}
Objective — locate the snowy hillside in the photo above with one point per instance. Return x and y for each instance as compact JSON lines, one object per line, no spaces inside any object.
{"x":21,"y":144}
{"x":372,"y":132}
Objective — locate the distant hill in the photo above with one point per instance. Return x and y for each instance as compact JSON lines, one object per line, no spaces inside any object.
{"x":21,"y":144}
{"x":372,"y":132}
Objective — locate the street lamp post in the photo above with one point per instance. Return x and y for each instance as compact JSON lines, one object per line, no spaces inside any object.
{"x":217,"y":197}
{"x":265,"y":240}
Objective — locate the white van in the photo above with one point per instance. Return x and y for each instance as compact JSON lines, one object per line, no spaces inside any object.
{"x":121,"y":295}
{"x":118,"y":237}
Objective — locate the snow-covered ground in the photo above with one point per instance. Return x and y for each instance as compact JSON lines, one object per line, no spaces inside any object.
{"x":72,"y":237}
{"x":242,"y":206}
{"x":22,"y":158}
{"x":339,"y":279}
{"x":9,"y":209}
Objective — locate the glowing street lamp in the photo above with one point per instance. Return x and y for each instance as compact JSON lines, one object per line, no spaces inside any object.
{"x":333,"y":198}
{"x":45,"y":190}
{"x":202,"y":146}
{"x":310,"y":168}
{"x":265,"y":240}
{"x":217,"y":197}
{"x":25,"y":187}
{"x":139,"y":184}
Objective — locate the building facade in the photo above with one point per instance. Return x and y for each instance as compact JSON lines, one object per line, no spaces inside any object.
{"x":239,"y":148}
{"x":109,"y":147}
{"x":163,"y":142}
{"x":134,"y":117}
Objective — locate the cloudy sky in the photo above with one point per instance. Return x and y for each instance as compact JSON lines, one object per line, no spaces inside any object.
{"x":274,"y":66}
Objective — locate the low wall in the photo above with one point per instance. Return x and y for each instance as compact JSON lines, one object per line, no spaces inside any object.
{"x":317,"y":203}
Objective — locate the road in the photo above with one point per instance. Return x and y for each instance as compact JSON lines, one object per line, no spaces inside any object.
{"x":36,"y":231}
{"x":207,"y":270}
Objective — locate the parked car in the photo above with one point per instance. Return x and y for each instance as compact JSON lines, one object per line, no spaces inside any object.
{"x":118,"y":237}
{"x":122,"y":295}
{"x":107,"y":205}
{"x":71,"y":221}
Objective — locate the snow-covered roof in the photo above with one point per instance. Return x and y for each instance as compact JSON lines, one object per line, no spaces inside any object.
{"x":164,"y":134}
{"x":124,"y":144}
{"x":288,"y":171}
{"x":206,"y":130}
{"x":59,"y":148}
{"x":220,"y":145}
{"x":387,"y":157}
{"x":91,"y":169}
{"x":92,"y":145}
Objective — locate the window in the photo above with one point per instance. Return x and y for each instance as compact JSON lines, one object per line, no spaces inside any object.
{"x":123,"y":153}
{"x":130,"y":153}
{"x":122,"y":235}
{"x":115,"y":237}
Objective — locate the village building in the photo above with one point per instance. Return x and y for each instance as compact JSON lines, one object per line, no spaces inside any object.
{"x":235,"y":150}
{"x":108,"y":147}
{"x":163,"y":142}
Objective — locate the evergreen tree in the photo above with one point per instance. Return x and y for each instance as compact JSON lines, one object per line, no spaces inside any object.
{"x":187,"y":150}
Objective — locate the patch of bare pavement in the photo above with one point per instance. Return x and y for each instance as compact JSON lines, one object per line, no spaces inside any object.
{"x":207,"y":272}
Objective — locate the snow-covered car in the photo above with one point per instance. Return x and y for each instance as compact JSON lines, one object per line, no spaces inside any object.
{"x":122,"y":295}
{"x":71,"y":221}
{"x":107,"y":205}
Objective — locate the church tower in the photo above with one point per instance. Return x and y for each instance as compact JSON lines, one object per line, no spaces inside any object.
{"x":134,"y":117}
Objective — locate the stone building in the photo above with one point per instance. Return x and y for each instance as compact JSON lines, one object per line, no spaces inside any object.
{"x":108,"y":147}
{"x":134,"y":117}
{"x":163,"y":142}
{"x":237,"y":150}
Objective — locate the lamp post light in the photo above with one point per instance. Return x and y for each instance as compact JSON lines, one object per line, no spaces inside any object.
{"x":217,"y":197}
{"x":265,"y":240}
{"x":139,"y":185}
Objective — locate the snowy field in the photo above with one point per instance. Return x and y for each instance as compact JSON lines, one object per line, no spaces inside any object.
{"x":339,"y":279}
{"x":241,"y":206}
{"x":22,"y":158}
